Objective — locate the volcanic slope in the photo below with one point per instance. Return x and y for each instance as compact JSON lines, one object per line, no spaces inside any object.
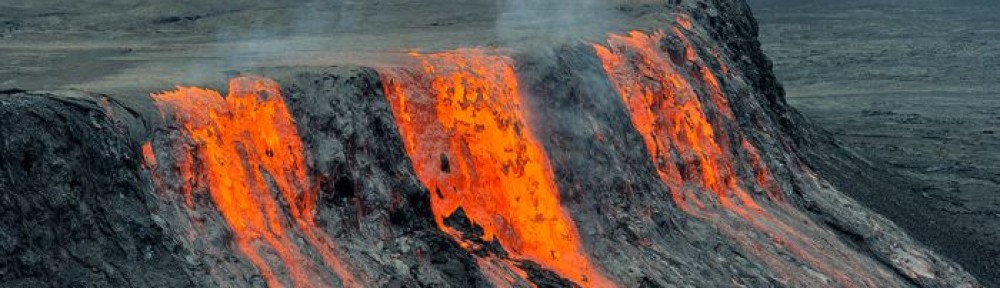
{"x":658,"y":157}
{"x":906,"y":85}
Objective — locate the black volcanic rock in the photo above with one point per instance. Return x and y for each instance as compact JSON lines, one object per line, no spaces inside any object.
{"x":76,"y":207}
{"x":82,"y":208}
{"x":608,"y":183}
{"x":350,"y":134}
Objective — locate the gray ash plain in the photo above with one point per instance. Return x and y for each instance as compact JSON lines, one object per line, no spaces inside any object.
{"x":912,"y":86}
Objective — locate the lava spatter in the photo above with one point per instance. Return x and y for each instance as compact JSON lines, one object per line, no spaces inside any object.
{"x":243,"y":147}
{"x":463,"y":125}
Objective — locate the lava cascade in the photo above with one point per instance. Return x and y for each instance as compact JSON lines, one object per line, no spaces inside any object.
{"x":243,"y":147}
{"x":692,"y":152}
{"x":666,"y":110}
{"x":462,"y":123}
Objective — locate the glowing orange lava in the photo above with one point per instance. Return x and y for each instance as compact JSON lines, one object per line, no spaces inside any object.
{"x":147,"y":155}
{"x":684,"y":21}
{"x":463,"y":126}
{"x":675,"y":122}
{"x":246,"y":146}
{"x":668,"y":113}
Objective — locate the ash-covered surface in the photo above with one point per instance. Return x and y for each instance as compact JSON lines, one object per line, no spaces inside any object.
{"x":114,"y":169}
{"x":909,"y":86}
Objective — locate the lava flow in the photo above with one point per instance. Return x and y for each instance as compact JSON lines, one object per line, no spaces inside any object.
{"x":463,"y":126}
{"x":246,"y":146}
{"x":668,"y":113}
{"x":692,"y":153}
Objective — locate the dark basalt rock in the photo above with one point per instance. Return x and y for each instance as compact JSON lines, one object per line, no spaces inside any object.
{"x":79,"y":207}
{"x":460,"y":222}
{"x":608,"y":183}
{"x":350,"y":135}
{"x":473,"y":233}
{"x":76,"y":207}
{"x":544,"y":278}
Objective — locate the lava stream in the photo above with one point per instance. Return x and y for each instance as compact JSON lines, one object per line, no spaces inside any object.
{"x":246,"y":146}
{"x":463,"y":126}
{"x":668,"y":113}
{"x":692,"y":153}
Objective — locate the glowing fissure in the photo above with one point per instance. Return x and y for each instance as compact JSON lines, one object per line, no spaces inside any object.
{"x":462,"y":123}
{"x":243,"y":147}
{"x":691,"y":156}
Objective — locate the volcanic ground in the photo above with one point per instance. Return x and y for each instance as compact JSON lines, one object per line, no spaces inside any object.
{"x":518,"y":143}
{"x":908,"y":85}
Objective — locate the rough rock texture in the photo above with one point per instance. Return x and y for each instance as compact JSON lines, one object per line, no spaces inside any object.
{"x":845,"y":170}
{"x":609,"y":182}
{"x":80,"y":206}
{"x":76,"y":206}
{"x":368,"y":198}
{"x":374,"y":203}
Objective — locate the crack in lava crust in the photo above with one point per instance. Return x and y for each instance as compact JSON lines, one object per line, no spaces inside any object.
{"x":463,"y":126}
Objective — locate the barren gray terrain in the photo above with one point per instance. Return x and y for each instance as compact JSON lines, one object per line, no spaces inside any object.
{"x":135,"y":45}
{"x":912,"y":86}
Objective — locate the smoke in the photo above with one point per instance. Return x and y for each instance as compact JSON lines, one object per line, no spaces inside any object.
{"x":259,"y":33}
{"x":261,"y":36}
{"x":551,"y":22}
{"x":270,"y":38}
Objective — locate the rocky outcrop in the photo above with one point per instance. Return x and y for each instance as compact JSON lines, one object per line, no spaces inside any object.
{"x":78,"y":209}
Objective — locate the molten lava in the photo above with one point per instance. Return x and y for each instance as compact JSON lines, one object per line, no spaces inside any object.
{"x":670,"y":116}
{"x":692,"y":152}
{"x":243,"y":147}
{"x":148,"y":156}
{"x":464,"y":127}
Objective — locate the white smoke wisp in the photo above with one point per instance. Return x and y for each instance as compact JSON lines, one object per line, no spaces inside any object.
{"x":552,"y":22}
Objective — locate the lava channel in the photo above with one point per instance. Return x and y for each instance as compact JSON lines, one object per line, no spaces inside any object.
{"x":243,"y":147}
{"x":462,"y":122}
{"x":693,"y":153}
